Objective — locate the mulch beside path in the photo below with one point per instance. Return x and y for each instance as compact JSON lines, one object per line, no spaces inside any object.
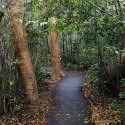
{"x":101,"y":114}
{"x":21,"y":118}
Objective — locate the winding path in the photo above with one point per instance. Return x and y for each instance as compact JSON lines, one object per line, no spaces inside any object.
{"x":71,"y":107}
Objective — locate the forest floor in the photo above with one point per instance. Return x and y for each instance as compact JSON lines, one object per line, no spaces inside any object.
{"x":61,"y":102}
{"x":21,"y":117}
{"x":101,"y":113}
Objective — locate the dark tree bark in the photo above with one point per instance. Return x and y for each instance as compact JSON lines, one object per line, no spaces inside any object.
{"x":1,"y":15}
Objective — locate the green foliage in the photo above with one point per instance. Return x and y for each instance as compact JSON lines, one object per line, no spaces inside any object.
{"x":11,"y":83}
{"x":113,"y":106}
{"x":122,"y":112}
{"x":13,"y":63}
{"x":8,"y":73}
{"x":118,"y":107}
{"x":121,"y":95}
{"x":69,"y":66}
{"x":122,"y":82}
{"x":17,"y":108}
{"x":92,"y":73}
{"x":41,"y":74}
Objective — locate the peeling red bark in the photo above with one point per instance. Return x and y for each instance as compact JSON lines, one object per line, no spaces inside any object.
{"x":25,"y":69}
{"x":57,"y":72}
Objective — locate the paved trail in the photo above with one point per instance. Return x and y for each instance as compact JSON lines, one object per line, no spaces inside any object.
{"x":71,"y":107}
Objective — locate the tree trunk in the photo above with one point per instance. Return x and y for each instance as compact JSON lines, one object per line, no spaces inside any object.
{"x":119,"y":8}
{"x":57,"y":72}
{"x":22,"y":55}
{"x":1,"y":99}
{"x":1,"y":15}
{"x":63,"y":40}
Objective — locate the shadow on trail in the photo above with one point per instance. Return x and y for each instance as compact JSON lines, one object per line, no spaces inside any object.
{"x":71,"y":107}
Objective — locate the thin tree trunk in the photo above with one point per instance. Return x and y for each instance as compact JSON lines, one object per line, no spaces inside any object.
{"x":25,"y":69}
{"x":57,"y":72}
{"x":2,"y":109}
{"x":119,"y":8}
{"x":71,"y":47}
{"x":1,"y":15}
{"x":116,"y":7}
{"x":63,"y":40}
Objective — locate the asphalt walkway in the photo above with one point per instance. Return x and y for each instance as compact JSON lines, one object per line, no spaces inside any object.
{"x":71,"y":107}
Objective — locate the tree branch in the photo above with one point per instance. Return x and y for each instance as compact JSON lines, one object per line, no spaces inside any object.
{"x":99,"y":8}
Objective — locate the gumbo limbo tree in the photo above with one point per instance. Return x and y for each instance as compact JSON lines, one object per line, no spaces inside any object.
{"x":57,"y":72}
{"x":25,"y":67}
